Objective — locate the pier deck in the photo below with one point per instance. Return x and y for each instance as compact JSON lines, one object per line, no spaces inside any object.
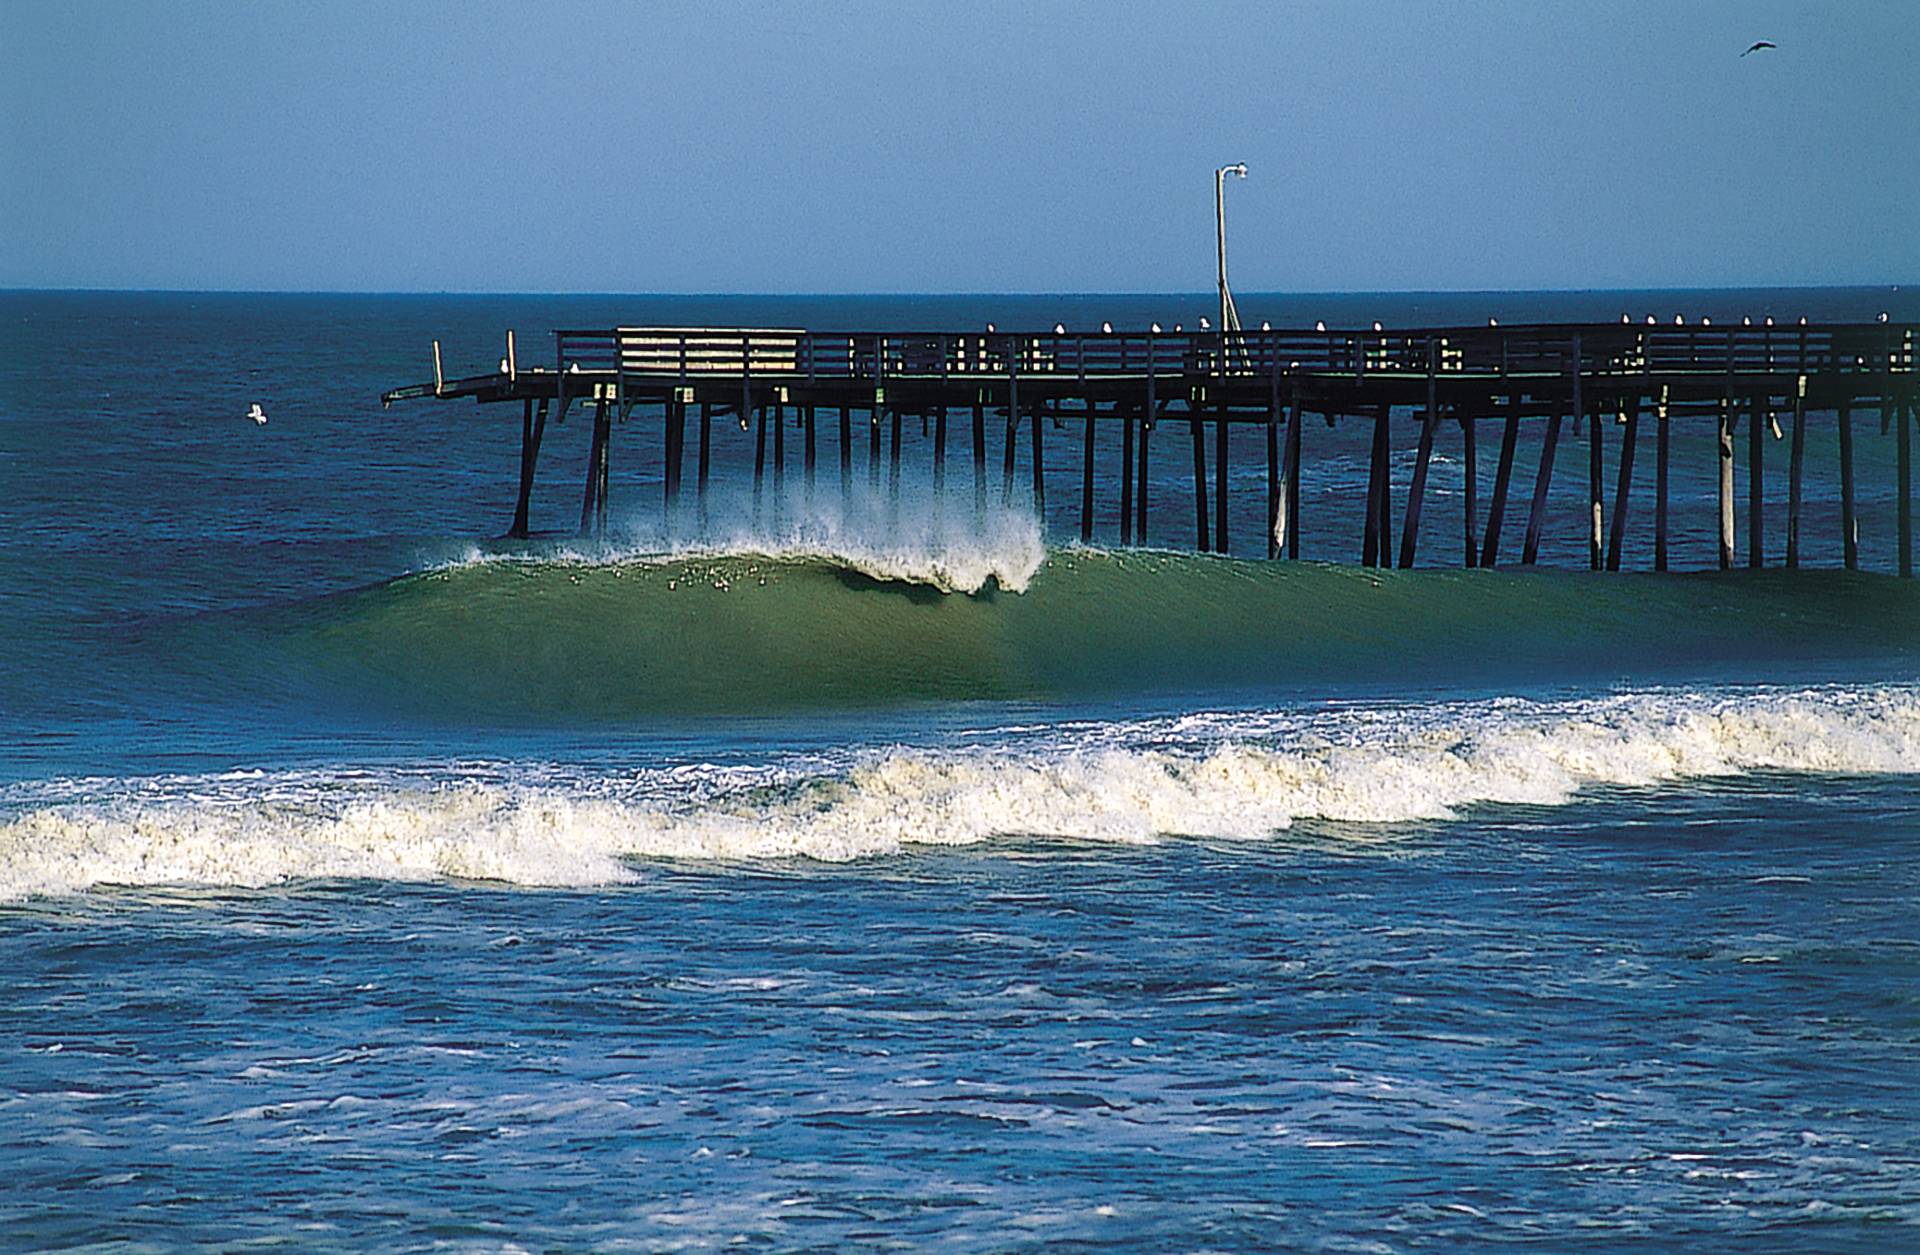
{"x":1136,"y":380}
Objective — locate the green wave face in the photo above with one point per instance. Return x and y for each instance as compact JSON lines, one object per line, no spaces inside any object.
{"x":734,"y":634}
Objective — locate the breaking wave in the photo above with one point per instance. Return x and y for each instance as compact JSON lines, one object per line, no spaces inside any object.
{"x":1230,"y":776}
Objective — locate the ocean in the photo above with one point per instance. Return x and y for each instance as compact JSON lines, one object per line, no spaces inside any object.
{"x":842,"y":871}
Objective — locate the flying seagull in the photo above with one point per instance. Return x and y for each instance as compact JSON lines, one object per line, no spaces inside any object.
{"x":258,"y":415}
{"x":1758,"y":46}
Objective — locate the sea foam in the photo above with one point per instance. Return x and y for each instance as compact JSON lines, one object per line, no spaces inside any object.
{"x":1245,"y":776}
{"x":1001,"y":545}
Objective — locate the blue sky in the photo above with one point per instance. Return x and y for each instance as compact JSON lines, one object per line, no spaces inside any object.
{"x":879,"y":147}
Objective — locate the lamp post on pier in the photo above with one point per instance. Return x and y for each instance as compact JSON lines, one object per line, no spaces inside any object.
{"x":1229,"y":316}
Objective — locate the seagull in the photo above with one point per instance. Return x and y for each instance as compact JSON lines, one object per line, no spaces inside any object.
{"x":1758,"y":46}
{"x":1059,"y":328}
{"x":503,"y":365}
{"x":258,"y":415}
{"x":1106,"y":328}
{"x":1883,"y":316}
{"x":1267,"y":326}
{"x":1320,"y":326}
{"x":1204,"y":324}
{"x":989,"y":326}
{"x":1155,"y":328}
{"x":1625,"y":319}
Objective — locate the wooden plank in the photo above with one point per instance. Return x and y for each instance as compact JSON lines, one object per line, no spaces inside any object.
{"x":1126,"y":479}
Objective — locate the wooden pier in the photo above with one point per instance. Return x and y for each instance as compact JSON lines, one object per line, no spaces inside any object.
{"x":1436,"y":381}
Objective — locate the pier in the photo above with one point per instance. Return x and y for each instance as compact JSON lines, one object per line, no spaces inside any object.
{"x":1428,"y":386}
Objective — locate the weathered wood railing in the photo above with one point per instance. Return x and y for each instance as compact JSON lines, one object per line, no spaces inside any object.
{"x":666,"y":353}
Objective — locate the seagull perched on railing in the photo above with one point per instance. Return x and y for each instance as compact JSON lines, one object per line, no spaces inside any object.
{"x":259,"y":416}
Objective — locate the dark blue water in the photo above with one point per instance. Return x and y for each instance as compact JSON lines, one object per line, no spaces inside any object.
{"x":845,"y":876}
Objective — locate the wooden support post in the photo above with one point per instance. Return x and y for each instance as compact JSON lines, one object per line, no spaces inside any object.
{"x":1795,"y":461}
{"x":1904,"y":444}
{"x":1756,"y":480}
{"x":846,"y":459}
{"x":1012,"y":441}
{"x":1147,"y":417}
{"x":1292,"y":475}
{"x":532,"y":428}
{"x":1422,"y":457}
{"x":606,"y":457}
{"x":706,"y":455}
{"x":1623,"y":487}
{"x":1470,"y":489}
{"x":1274,"y":531}
{"x":939,"y":455}
{"x":1126,"y":478}
{"x":1220,"y":496}
{"x":979,"y":458}
{"x":873,"y":448}
{"x":893,"y":460}
{"x":1849,"y":524}
{"x":1039,"y":466}
{"x":1660,"y":483}
{"x":1372,"y":543}
{"x":810,"y":452}
{"x":1596,"y":488}
{"x":676,"y":445}
{"x":1725,"y":435}
{"x":1502,"y":481}
{"x":1384,"y":502}
{"x":759,"y":456}
{"x":779,"y":453}
{"x":1199,"y":484}
{"x":1140,"y":486}
{"x":1542,"y":480}
{"x":590,"y":500}
{"x":1086,"y":480}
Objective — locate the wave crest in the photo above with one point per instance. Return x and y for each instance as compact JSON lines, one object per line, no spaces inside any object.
{"x":1002,"y":546}
{"x":1223,"y":776}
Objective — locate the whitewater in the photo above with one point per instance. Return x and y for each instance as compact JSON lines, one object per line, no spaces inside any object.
{"x":1246,"y":776}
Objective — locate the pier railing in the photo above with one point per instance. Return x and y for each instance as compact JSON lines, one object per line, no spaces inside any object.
{"x":668,"y":353}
